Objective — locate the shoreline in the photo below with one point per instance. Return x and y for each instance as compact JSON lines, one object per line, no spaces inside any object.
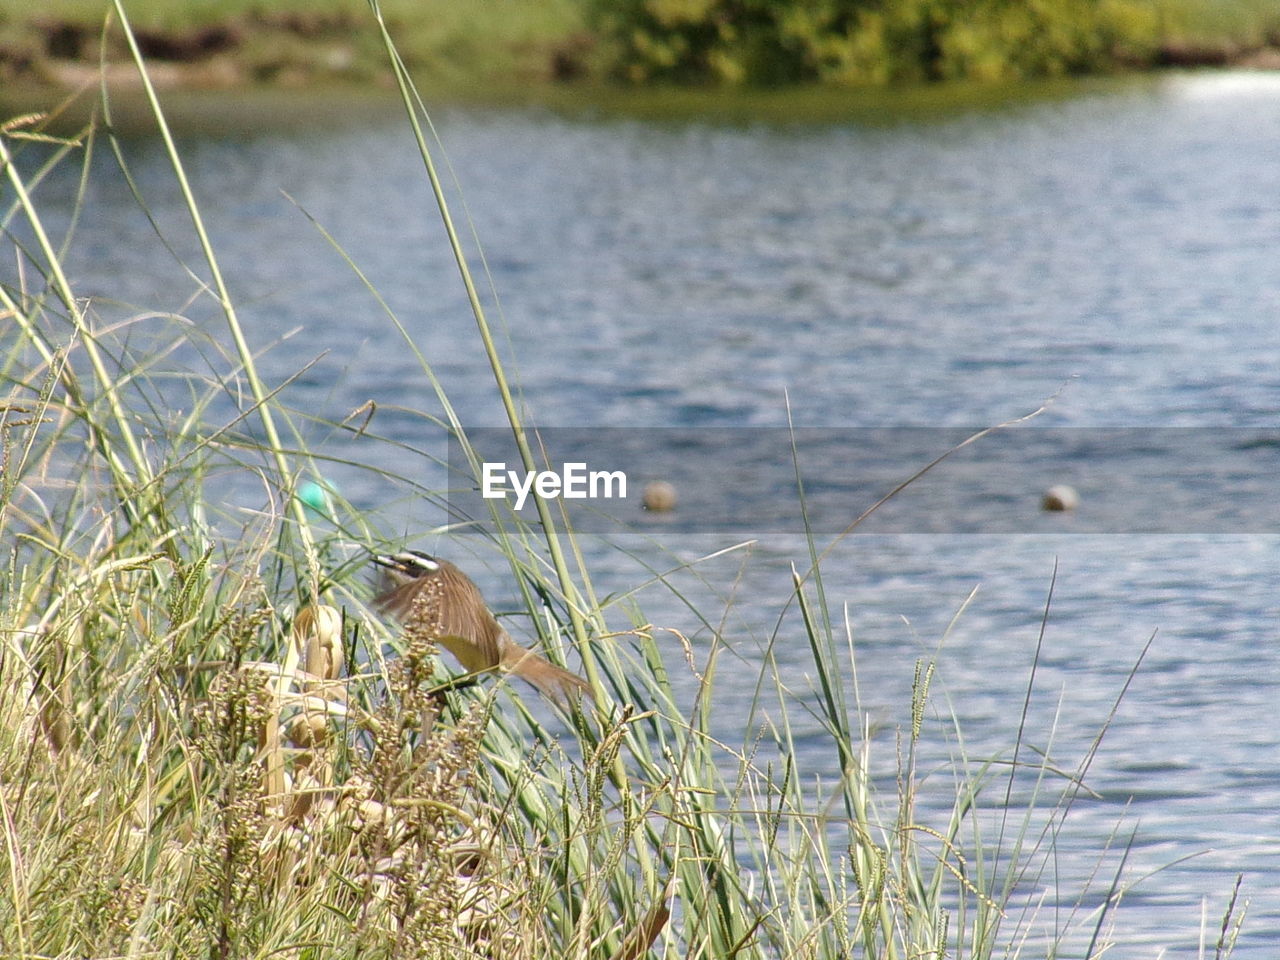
{"x":190,"y":66}
{"x":291,"y":49}
{"x":297,"y":70}
{"x":265,"y":109}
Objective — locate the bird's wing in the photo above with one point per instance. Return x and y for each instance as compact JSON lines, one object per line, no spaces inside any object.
{"x":449,"y":608}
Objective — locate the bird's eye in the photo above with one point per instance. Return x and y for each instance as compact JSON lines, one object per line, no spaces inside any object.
{"x":423,"y":560}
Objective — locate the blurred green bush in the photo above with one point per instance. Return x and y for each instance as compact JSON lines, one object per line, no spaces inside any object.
{"x":853,"y":42}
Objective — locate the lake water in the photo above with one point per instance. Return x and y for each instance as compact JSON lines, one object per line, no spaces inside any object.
{"x":1119,"y":253}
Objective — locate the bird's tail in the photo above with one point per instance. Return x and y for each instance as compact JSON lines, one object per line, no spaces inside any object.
{"x":552,"y":682}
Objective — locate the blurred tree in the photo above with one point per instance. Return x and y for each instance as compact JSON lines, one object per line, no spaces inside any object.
{"x":868,"y":41}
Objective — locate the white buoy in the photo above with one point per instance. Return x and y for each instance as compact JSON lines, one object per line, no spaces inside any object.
{"x":1060,"y":497}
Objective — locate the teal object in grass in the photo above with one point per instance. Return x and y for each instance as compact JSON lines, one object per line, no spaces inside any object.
{"x":317,"y":497}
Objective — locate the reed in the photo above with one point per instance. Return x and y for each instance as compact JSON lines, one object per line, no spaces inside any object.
{"x":210,"y":746}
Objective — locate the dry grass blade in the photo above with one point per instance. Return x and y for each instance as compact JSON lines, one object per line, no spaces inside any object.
{"x":640,"y":939}
{"x":316,"y":635}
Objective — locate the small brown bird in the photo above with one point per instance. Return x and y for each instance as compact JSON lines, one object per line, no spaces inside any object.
{"x":454,"y":614}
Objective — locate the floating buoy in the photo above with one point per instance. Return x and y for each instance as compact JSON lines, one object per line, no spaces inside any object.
{"x":659,"y":496}
{"x":1059,"y":498}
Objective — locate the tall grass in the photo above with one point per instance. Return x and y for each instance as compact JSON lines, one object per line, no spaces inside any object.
{"x":210,"y":746}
